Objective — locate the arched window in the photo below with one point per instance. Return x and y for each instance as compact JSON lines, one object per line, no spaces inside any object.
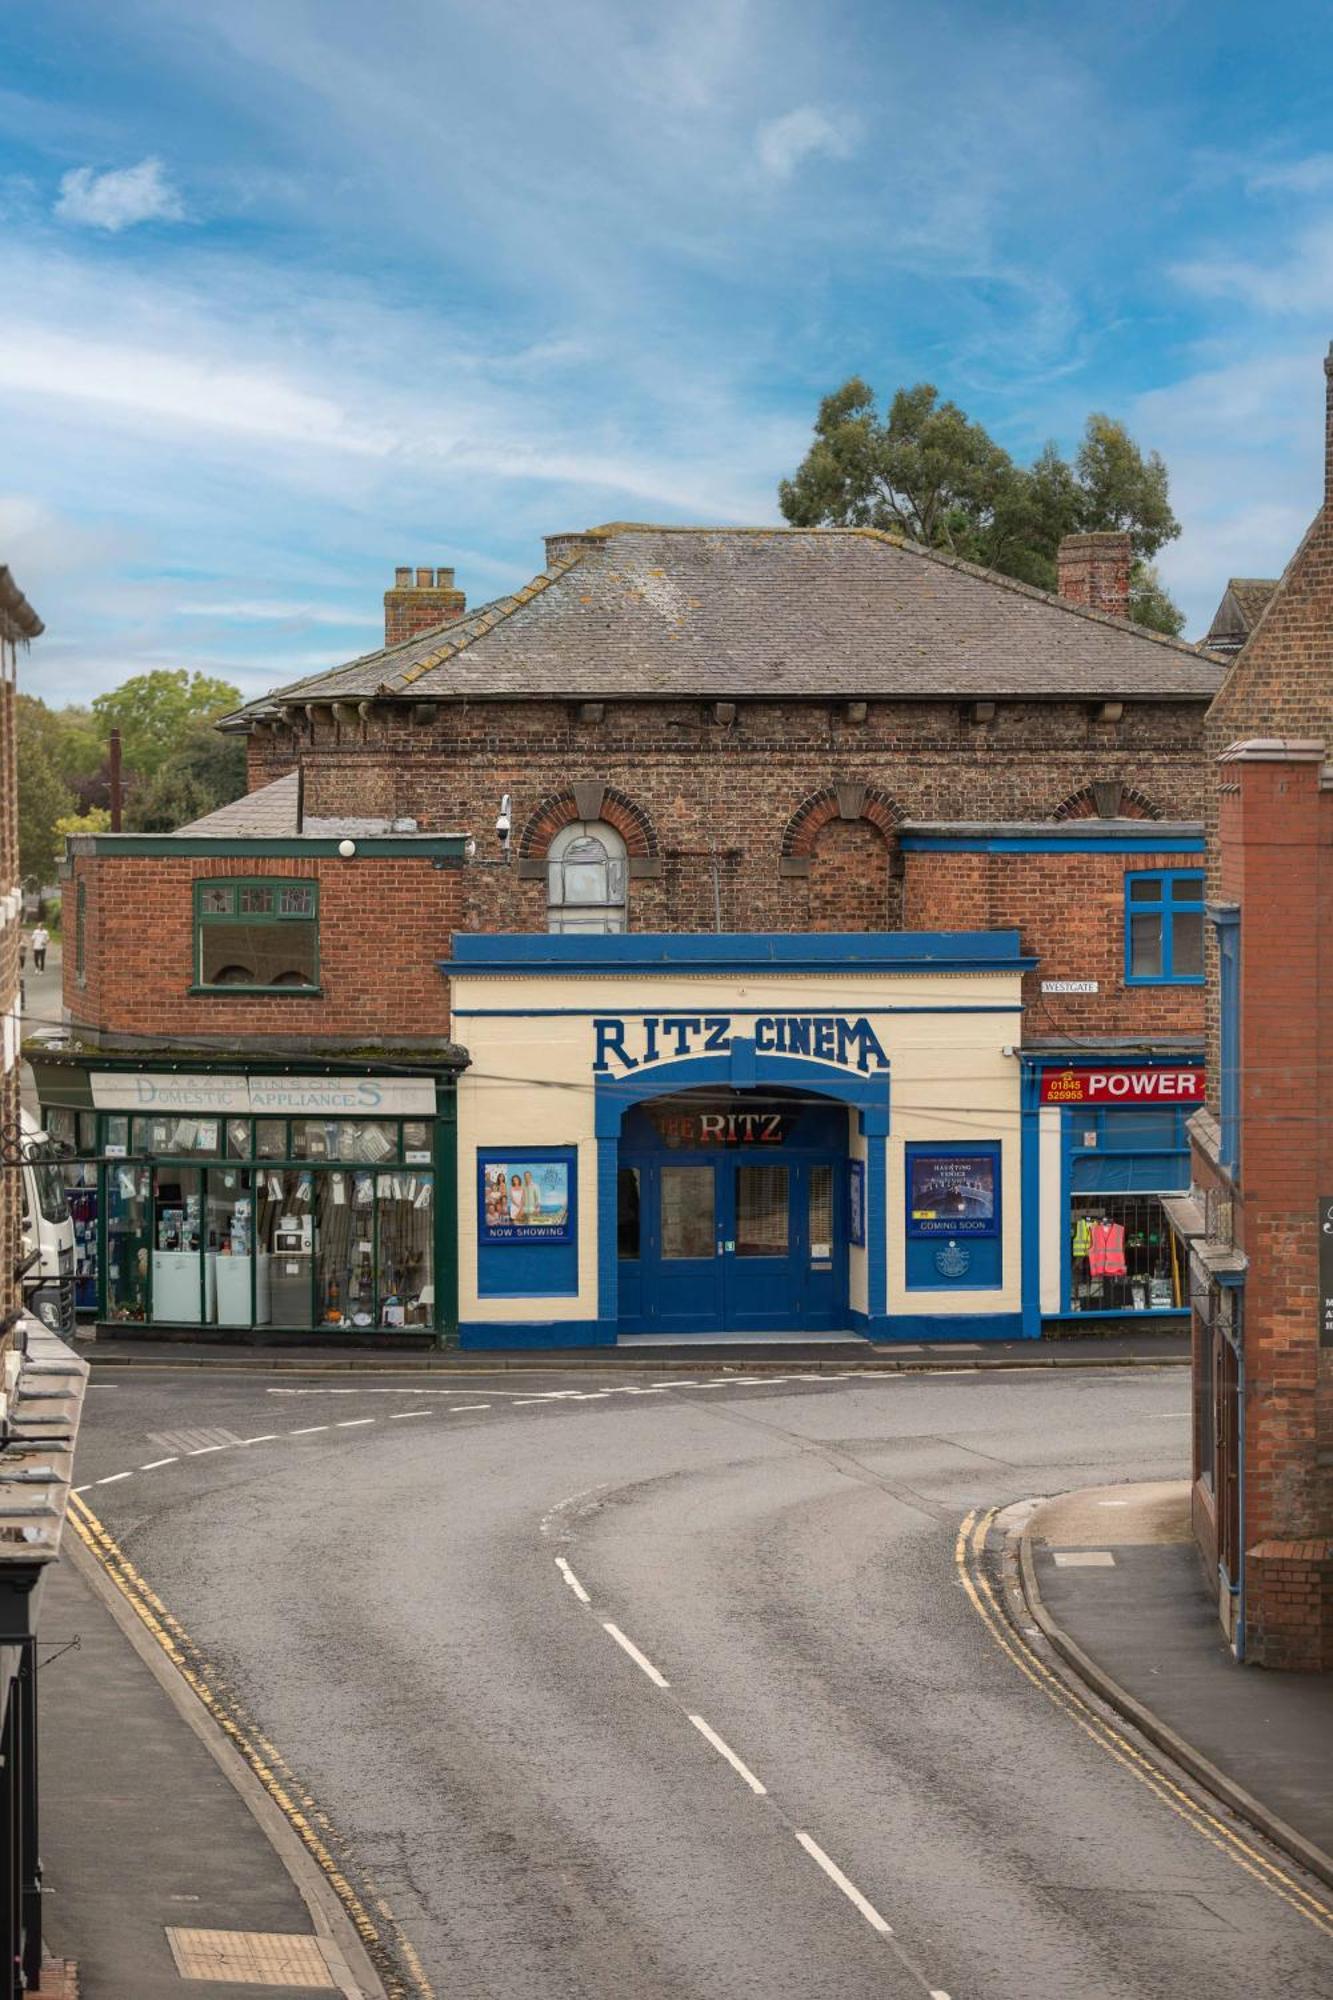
{"x":586,"y":879}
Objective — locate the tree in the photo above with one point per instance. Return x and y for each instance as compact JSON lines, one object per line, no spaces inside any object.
{"x":205,"y":771}
{"x":43,"y":797}
{"x":928,"y":472}
{"x":97,"y":820}
{"x":156,"y":712}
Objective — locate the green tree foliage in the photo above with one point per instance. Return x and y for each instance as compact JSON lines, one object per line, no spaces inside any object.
{"x":927,"y":472}
{"x":96,"y":820}
{"x":43,"y":796}
{"x":204,"y":771}
{"x":156,"y":712}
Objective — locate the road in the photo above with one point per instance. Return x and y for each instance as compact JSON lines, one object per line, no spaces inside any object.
{"x":615,"y":1690}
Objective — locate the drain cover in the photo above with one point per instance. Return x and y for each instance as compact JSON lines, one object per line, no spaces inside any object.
{"x":251,"y":1958}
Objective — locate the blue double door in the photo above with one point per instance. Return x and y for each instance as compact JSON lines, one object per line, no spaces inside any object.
{"x":741,"y":1240}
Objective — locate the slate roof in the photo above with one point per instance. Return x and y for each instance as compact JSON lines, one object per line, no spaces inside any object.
{"x":1244,"y":602}
{"x":653,"y":612}
{"x":272,"y":811}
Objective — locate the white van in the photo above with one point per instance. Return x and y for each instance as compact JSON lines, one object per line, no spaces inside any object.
{"x":48,"y":1230}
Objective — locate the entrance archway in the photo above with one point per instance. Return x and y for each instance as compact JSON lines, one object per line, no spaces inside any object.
{"x":723,"y":1231}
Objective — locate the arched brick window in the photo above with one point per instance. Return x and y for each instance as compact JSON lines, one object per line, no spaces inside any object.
{"x":588,"y":800}
{"x":1107,"y":798}
{"x":841,"y":840}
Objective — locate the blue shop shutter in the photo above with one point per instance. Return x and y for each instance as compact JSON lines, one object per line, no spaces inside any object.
{"x":1137,"y":1151}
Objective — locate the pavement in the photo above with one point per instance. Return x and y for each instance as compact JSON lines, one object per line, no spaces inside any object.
{"x":1113,"y":1577}
{"x":144,"y":1829}
{"x":1141,"y":1349}
{"x":664,"y":1688}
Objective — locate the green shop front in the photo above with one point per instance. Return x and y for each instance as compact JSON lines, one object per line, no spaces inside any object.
{"x":257,"y":1200}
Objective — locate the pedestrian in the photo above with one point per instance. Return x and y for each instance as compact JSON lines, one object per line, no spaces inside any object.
{"x":41,"y":938}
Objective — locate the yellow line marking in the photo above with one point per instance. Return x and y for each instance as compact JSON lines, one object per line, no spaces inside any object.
{"x":300,"y":1811}
{"x":971,"y":1537}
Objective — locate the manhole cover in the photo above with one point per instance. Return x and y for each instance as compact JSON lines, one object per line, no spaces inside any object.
{"x":250,"y":1958}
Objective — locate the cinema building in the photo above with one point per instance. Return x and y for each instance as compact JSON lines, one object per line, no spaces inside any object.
{"x":804,"y":930}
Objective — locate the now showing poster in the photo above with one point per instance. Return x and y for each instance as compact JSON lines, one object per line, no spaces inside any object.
{"x":525,"y":1200}
{"x":952,"y":1194}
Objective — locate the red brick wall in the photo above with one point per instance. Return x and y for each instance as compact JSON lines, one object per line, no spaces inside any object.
{"x":1070,"y":910}
{"x":382,"y":925}
{"x":1275,"y":859}
{"x":722,"y":796}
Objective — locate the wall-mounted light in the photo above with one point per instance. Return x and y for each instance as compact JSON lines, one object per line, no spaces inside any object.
{"x":347,"y":848}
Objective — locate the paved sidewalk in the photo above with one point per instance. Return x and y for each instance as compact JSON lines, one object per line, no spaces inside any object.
{"x":746,"y":1356}
{"x":141,"y":1829}
{"x":1131,"y":1597}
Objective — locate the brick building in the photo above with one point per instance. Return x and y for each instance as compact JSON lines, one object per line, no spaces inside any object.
{"x":19,"y":624}
{"x":841,"y":811}
{"x":1262,"y":1153}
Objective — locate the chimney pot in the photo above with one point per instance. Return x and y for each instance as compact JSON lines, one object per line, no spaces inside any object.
{"x":421,"y":601}
{"x":1094,"y":571}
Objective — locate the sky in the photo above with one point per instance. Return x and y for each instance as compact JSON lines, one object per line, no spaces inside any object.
{"x":300,"y":290}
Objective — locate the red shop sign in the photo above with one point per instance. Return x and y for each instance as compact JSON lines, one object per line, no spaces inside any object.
{"x":1122,"y":1086}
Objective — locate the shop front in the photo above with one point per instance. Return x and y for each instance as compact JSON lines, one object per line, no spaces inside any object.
{"x":1114,"y":1148}
{"x":259,"y":1200}
{"x":680,"y":1135}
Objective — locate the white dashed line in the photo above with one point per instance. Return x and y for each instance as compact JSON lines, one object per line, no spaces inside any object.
{"x":457,"y":1409}
{"x":151,"y":1466}
{"x":572,"y":1580}
{"x":202,"y":1450}
{"x":84,"y":1489}
{"x":352,"y":1423}
{"x":639,"y":1659}
{"x":265,"y":1437}
{"x":396,"y":1416}
{"x":307,"y":1430}
{"x":519,"y":1401}
{"x":110,"y":1479}
{"x":849,"y":1889}
{"x":725,"y":1750}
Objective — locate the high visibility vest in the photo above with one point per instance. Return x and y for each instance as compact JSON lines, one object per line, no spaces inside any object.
{"x":1106,"y":1252}
{"x":1082,"y":1236}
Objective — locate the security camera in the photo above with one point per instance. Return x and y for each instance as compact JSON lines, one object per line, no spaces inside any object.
{"x":503,"y":822}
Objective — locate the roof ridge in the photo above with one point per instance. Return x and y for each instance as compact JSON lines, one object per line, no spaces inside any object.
{"x":491,"y":616}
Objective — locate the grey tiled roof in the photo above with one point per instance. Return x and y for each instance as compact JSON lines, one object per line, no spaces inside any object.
{"x":272,"y":811}
{"x":1244,"y":602}
{"x":767,"y":612}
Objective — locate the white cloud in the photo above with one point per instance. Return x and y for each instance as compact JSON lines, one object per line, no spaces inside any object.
{"x":1308,"y":176}
{"x":117,"y":200}
{"x":785,"y":143}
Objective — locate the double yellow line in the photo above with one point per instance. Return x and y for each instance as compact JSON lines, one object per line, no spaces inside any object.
{"x":301,"y":1812}
{"x":969,"y":1549}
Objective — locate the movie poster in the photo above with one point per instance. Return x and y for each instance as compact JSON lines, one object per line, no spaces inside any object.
{"x":525,"y":1200}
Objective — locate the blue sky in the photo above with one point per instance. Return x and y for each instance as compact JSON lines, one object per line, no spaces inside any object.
{"x":297,"y":290}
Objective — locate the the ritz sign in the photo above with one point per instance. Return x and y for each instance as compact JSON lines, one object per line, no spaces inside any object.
{"x":828,"y":1038}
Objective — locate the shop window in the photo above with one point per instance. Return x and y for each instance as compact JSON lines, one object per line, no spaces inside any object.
{"x":127,"y":1242}
{"x":257,"y":934}
{"x":1123,"y":1256}
{"x":586,"y":879}
{"x":1164,"y":927}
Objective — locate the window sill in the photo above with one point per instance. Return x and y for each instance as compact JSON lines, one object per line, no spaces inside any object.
{"x":250,"y":992}
{"x":1189,"y":979}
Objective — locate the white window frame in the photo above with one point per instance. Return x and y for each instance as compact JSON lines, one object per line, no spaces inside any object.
{"x":596,"y":916}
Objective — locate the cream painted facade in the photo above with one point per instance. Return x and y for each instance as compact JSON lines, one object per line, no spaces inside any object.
{"x":935,"y":1068}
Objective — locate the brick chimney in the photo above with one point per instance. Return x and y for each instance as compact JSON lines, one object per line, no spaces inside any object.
{"x":420,"y":600}
{"x":1094,"y":571}
{"x":560,"y":547}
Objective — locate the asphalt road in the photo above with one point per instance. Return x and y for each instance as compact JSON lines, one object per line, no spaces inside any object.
{"x":455,"y":1626}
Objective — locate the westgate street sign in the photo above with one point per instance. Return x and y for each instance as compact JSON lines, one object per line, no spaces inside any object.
{"x":830,"y":1038}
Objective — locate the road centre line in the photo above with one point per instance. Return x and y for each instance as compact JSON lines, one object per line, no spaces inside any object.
{"x":396,"y":1416}
{"x":640,"y":1659}
{"x":307,"y":1430}
{"x":110,"y":1479}
{"x":152,"y":1465}
{"x":202,"y":1450}
{"x":459,"y":1408}
{"x":849,"y":1889}
{"x":265,"y":1437}
{"x":725,"y":1750}
{"x":352,"y":1423}
{"x":572,"y":1580}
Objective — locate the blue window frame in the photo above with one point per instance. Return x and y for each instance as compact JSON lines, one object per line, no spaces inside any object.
{"x":1227,"y":925}
{"x":1164,"y":927}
